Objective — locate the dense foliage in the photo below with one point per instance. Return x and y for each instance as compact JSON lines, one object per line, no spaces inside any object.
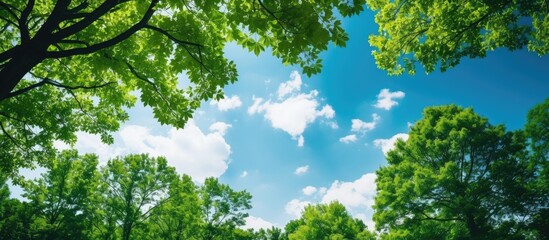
{"x":135,"y":197}
{"x":459,"y":177}
{"x":68,"y":66}
{"x":437,"y":34}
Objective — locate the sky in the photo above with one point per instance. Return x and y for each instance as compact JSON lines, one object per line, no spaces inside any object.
{"x":291,"y":140}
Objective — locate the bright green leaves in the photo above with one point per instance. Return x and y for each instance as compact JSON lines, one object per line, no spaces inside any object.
{"x":437,"y":34}
{"x":171,"y":62}
{"x":327,"y":222}
{"x":223,"y":209}
{"x":456,"y":176}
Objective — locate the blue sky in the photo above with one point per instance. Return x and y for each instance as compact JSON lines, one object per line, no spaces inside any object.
{"x":288,"y":139}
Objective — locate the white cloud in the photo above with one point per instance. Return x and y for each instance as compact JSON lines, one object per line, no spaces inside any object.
{"x":301,"y":170}
{"x":294,"y":84}
{"x":348,"y":139}
{"x":244,"y":174}
{"x":256,"y":223}
{"x":226,"y":104}
{"x":189,"y":150}
{"x":309,"y":190}
{"x":300,"y":141}
{"x":90,"y":143}
{"x":358,"y":193}
{"x":385,"y":98}
{"x":293,"y":111}
{"x":361,"y":126}
{"x":220,"y":128}
{"x":327,"y":112}
{"x":295,"y":207}
{"x":357,"y":196}
{"x":387,"y":145}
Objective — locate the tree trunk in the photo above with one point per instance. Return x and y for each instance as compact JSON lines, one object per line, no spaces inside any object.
{"x":25,"y":58}
{"x":475,"y":230}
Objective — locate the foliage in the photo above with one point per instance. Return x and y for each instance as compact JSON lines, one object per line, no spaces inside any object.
{"x":61,"y":201}
{"x":537,"y":129}
{"x":131,"y":197}
{"x":329,"y":222}
{"x":69,"y":66}
{"x":437,"y":34}
{"x":134,"y":186}
{"x":180,"y":217}
{"x":457,"y":176}
{"x":223,"y":209}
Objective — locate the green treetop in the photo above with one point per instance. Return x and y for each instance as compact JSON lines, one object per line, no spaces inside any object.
{"x":437,"y":34}
{"x":457,"y":176}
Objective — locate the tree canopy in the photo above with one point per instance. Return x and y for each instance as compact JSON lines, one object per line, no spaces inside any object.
{"x":437,"y":34}
{"x":457,"y":176}
{"x":327,"y":222}
{"x":131,"y":197}
{"x":68,"y":66}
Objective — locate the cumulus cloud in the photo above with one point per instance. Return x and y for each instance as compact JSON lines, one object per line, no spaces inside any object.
{"x":357,"y":196}
{"x":294,"y":110}
{"x":309,"y":190}
{"x":358,"y":193}
{"x":295,"y":207}
{"x":293,"y":85}
{"x":387,"y":145}
{"x":348,"y":139}
{"x":90,"y":143}
{"x":301,"y":170}
{"x":385,"y":99}
{"x":361,"y":126}
{"x":256,"y":223}
{"x":227,"y":103}
{"x":189,"y":150}
{"x":220,"y":128}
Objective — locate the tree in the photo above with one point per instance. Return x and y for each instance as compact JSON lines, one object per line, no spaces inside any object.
{"x":180,"y":217}
{"x":68,"y":66}
{"x":537,"y":130}
{"x":272,"y":233}
{"x":439,"y":33}
{"x":223,"y":209}
{"x":329,"y":222}
{"x":61,"y":201}
{"x":457,"y":176}
{"x":134,"y":186}
{"x":15,"y":216}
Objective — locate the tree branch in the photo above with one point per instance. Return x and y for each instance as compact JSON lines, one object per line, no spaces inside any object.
{"x":53,"y":83}
{"x":9,"y":8}
{"x":9,"y":136}
{"x":171,"y":37}
{"x":23,"y":28}
{"x":96,"y":47}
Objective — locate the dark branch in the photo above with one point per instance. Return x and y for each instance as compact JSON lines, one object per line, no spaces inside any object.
{"x":71,"y":41}
{"x":9,"y":8}
{"x":23,"y":28}
{"x":9,"y":136}
{"x":171,"y":37}
{"x":53,"y":83}
{"x":109,"y":43}
{"x":8,"y":21}
{"x":155,"y":87}
{"x":272,"y":14}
